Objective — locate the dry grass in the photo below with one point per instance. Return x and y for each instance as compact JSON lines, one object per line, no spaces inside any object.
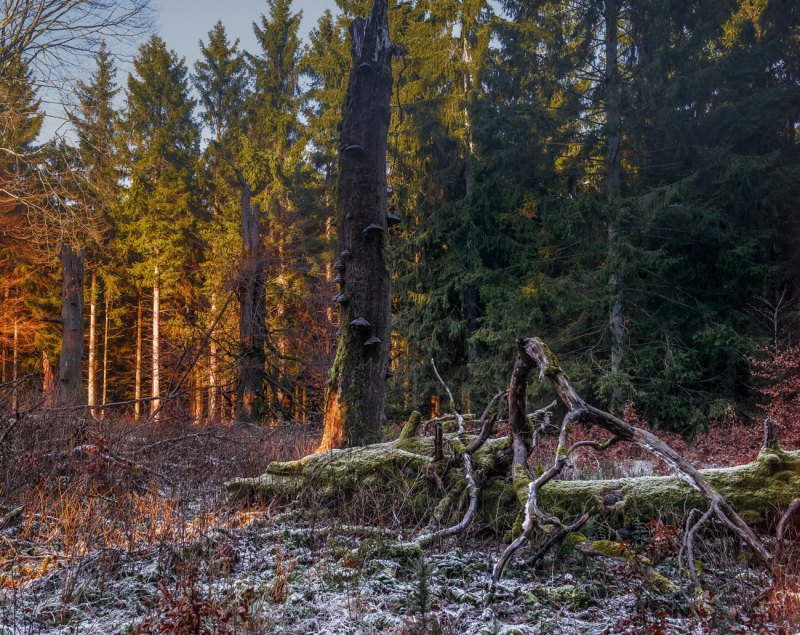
{"x":87,"y":486}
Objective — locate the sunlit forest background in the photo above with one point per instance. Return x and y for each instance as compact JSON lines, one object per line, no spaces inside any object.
{"x":628,"y":192}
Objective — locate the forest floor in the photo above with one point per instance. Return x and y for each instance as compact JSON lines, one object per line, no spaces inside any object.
{"x":134,"y":535}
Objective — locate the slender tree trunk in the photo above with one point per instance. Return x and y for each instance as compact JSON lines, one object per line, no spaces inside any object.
{"x":137,"y":389}
{"x":91,"y":397}
{"x":357,"y":387}
{"x":15,"y":370}
{"x":252,"y":318}
{"x":4,"y":377}
{"x":49,"y":387}
{"x":198,"y":395}
{"x":212,"y":370}
{"x":614,"y":187}
{"x":104,"y":394}
{"x":155,"y":387}
{"x":70,"y":363}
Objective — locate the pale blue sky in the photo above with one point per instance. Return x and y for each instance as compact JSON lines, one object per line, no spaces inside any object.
{"x":183,"y":22}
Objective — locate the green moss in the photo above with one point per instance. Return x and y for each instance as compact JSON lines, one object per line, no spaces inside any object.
{"x":409,"y":430}
{"x":609,"y":548}
{"x":574,"y":538}
{"x":660,"y":582}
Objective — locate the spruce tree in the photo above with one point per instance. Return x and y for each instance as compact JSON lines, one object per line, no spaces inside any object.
{"x":162,"y":204}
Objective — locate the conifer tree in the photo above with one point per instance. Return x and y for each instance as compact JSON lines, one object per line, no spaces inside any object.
{"x":222,"y":81}
{"x":96,"y":125}
{"x":162,"y":205}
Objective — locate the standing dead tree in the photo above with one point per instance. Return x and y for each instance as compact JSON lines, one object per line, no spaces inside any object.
{"x":356,"y":390}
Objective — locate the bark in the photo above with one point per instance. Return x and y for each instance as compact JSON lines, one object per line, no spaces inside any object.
{"x":155,"y":387}
{"x":357,"y":387}
{"x":49,"y":387}
{"x":91,"y":381}
{"x":137,"y":388}
{"x":613,"y":169}
{"x":15,"y":369}
{"x":212,"y":371}
{"x":517,"y":414}
{"x":548,"y":364}
{"x":104,"y":393}
{"x":252,"y":315}
{"x":70,"y":363}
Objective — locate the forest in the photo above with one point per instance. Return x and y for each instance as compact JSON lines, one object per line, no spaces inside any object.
{"x":451,"y":316}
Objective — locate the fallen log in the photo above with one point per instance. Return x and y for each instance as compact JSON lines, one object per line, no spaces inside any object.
{"x":759,"y":491}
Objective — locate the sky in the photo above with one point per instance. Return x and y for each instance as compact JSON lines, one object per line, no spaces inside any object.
{"x":183,"y":22}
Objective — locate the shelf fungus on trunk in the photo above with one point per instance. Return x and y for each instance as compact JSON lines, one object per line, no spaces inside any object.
{"x":360,"y":324}
{"x":373,"y":228}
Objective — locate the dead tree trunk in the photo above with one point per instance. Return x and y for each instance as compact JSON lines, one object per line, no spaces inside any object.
{"x":70,"y":369}
{"x":252,"y":318}
{"x":357,"y":387}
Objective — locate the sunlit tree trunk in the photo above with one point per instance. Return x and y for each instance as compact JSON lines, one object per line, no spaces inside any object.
{"x":357,"y":387}
{"x":71,"y":360}
{"x":137,"y":387}
{"x":212,"y":370}
{"x":91,"y":397}
{"x":49,"y":387}
{"x":156,"y":366}
{"x":15,"y":369}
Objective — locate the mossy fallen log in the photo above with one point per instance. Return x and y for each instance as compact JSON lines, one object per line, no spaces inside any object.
{"x":759,"y":491}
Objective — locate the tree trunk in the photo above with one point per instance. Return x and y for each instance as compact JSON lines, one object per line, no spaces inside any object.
{"x":357,"y":387}
{"x":137,"y":388}
{"x":212,"y":370}
{"x":104,"y":393}
{"x":15,"y":370}
{"x":91,"y":397}
{"x":155,"y":387}
{"x":49,"y":388}
{"x":70,"y":364}
{"x":252,"y":318}
{"x":613,"y":167}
